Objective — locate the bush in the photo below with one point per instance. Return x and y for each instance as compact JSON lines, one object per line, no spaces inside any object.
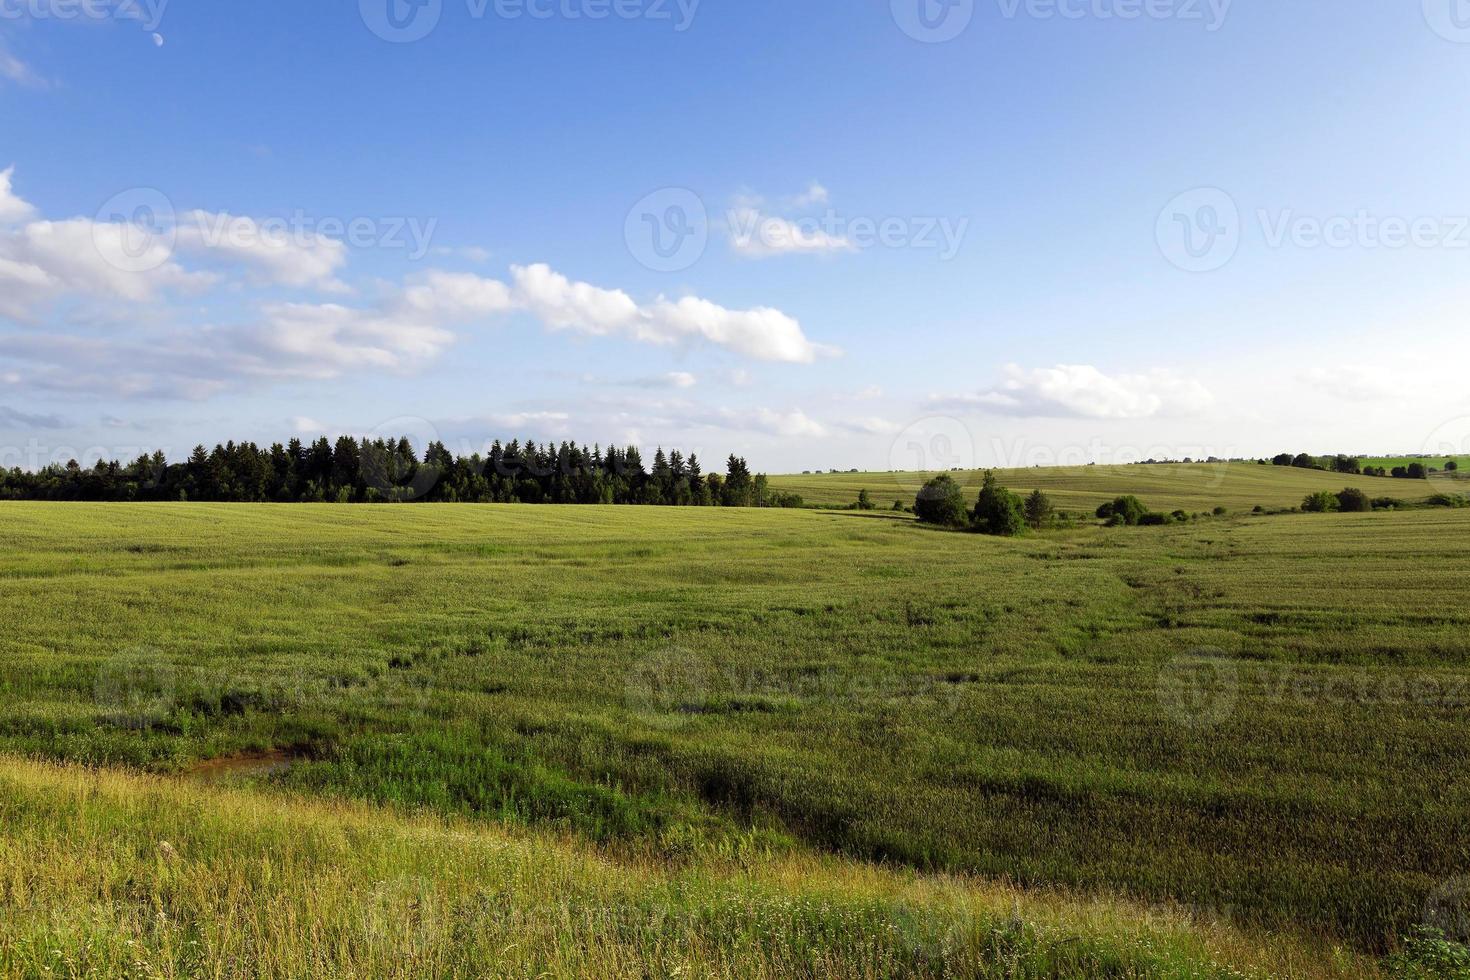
{"x":998,"y":511}
{"x":1448,"y":500}
{"x":941,"y":502}
{"x":865,"y":501}
{"x":1180,"y":516}
{"x":1353,"y":501}
{"x":1221,"y":511}
{"x":1039,"y":510}
{"x":1417,"y":471}
{"x":1153,"y":520}
{"x":1320,"y":502}
{"x":1451,"y":465}
{"x":1129,"y":510}
{"x":1386,"y":503}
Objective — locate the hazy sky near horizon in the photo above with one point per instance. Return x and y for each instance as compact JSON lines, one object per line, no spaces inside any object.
{"x":889,"y":234}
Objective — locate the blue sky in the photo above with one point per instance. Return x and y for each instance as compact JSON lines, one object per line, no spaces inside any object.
{"x":960,"y":243}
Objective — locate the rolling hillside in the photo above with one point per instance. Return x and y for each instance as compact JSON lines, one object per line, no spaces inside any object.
{"x":1191,"y":487}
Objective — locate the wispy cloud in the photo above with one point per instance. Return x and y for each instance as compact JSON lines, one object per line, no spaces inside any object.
{"x":1084,"y":392}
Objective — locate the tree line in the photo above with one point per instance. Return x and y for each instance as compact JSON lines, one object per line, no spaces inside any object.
{"x":1354,"y":466}
{"x":388,"y":471}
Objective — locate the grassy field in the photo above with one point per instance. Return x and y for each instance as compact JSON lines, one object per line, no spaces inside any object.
{"x":113,"y":875}
{"x":1261,"y":717}
{"x":1165,"y":487}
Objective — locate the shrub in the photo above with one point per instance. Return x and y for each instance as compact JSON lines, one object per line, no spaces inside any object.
{"x":898,"y":506}
{"x":1418,"y":472}
{"x":1451,"y":465}
{"x":1180,"y":516}
{"x":1320,"y":502}
{"x":1353,"y":501}
{"x":941,"y":502}
{"x":1386,"y":503}
{"x":1039,"y":510}
{"x":1129,"y":510}
{"x":1448,"y":500}
{"x":1221,"y":511}
{"x":865,"y":501}
{"x":1153,"y":520}
{"x":998,"y":511}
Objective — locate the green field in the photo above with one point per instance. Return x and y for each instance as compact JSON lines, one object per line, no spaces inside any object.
{"x":1260,"y":718}
{"x":1165,"y":487}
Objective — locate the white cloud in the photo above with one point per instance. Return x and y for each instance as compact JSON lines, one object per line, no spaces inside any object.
{"x":871,"y":426}
{"x":456,"y":296}
{"x":304,"y":425}
{"x":1082,"y":391}
{"x":326,"y":340}
{"x":756,"y":235}
{"x":17,"y":71}
{"x":1353,"y":383}
{"x":682,"y":380}
{"x":12,"y":209}
{"x":815,"y":194}
{"x":789,"y":424}
{"x":561,"y":304}
{"x":300,"y":259}
{"x":47,"y":260}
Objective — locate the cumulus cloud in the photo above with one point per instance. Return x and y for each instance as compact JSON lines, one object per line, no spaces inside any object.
{"x":12,"y":209}
{"x":298,"y":259}
{"x":1082,"y":391}
{"x":43,"y":261}
{"x":561,"y":304}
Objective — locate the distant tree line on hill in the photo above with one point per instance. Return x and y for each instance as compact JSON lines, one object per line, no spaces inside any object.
{"x":388,"y":471}
{"x":1353,"y":465}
